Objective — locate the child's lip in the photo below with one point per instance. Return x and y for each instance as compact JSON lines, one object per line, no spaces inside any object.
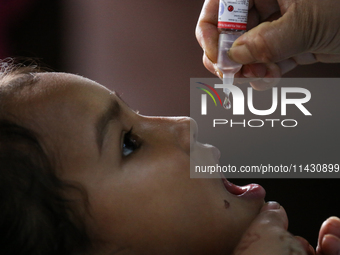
{"x":251,"y":191}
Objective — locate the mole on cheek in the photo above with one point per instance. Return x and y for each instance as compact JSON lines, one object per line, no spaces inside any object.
{"x":226,"y":204}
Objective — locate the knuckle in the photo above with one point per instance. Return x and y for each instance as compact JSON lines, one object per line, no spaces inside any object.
{"x":198,"y":34}
{"x":198,"y":31}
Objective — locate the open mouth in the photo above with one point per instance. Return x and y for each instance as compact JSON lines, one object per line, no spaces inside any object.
{"x":249,"y":191}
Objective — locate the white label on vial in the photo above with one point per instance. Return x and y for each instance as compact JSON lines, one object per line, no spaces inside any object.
{"x":233,"y":14}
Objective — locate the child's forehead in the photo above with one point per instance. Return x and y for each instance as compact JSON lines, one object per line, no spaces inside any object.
{"x":59,"y":103}
{"x":63,"y":85}
{"x":67,"y":88}
{"x":58,"y":94}
{"x":63,"y":80}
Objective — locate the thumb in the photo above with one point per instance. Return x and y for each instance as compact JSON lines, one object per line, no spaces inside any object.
{"x":267,"y":234}
{"x":270,"y":41}
{"x":272,"y":214}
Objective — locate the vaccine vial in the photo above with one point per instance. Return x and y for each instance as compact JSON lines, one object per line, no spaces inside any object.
{"x":232,"y":23}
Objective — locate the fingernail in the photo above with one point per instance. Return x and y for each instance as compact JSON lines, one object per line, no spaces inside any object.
{"x":241,"y":54}
{"x":334,"y":226}
{"x":272,"y":205}
{"x":332,"y":243}
{"x":210,"y":59}
{"x":218,"y":72}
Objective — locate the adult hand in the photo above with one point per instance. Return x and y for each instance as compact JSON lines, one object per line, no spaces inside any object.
{"x":267,"y":235}
{"x":282,"y":35}
{"x":329,"y":237}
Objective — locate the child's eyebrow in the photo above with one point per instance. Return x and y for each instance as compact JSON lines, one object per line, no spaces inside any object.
{"x":111,"y":113}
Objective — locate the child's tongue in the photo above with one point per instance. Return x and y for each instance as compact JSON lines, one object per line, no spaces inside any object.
{"x":234,"y":189}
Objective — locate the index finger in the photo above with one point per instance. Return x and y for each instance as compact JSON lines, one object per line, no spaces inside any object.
{"x":206,"y":29}
{"x":329,"y":226}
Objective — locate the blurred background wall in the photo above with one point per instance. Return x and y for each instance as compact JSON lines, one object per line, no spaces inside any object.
{"x":147,"y":51}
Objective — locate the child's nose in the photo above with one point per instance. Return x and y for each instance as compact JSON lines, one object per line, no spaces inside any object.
{"x":181,"y":130}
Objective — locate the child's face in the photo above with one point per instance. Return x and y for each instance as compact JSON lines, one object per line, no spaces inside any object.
{"x":141,"y":197}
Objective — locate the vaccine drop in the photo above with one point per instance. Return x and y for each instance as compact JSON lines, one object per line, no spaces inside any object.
{"x":226,"y":102}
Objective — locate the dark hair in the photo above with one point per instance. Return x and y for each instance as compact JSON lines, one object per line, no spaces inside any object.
{"x":35,"y":217}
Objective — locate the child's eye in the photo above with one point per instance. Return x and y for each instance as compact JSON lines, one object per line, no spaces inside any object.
{"x":130,"y":144}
